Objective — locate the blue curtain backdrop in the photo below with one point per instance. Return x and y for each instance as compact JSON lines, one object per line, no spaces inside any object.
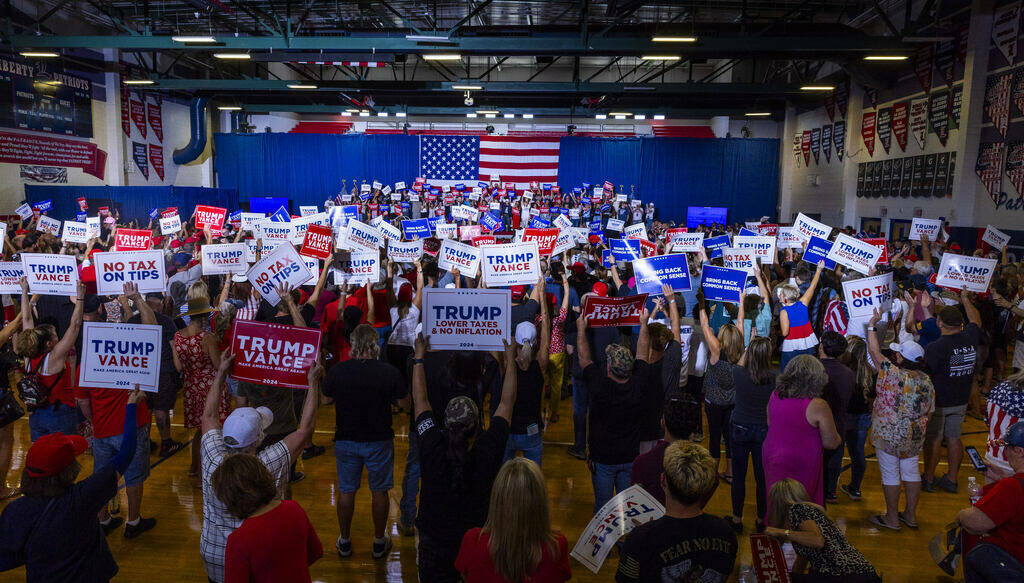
{"x":134,"y":202}
{"x":309,"y":168}
{"x":674,"y":173}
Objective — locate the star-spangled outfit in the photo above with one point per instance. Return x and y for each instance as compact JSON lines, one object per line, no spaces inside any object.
{"x":1005,"y":407}
{"x":801,"y":337}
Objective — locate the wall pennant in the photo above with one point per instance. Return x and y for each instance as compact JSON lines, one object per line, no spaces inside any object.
{"x":924,"y":62}
{"x":839,"y":138}
{"x":884,"y":130}
{"x":989,"y":167}
{"x":954,"y":107}
{"x":919,"y":120}
{"x":139,"y":154}
{"x":938,"y":114}
{"x":867,"y":131}
{"x":945,"y":59}
{"x":805,"y":146}
{"x":1005,"y":26}
{"x":138,"y":113}
{"x":816,"y":143}
{"x":156,"y":158}
{"x":126,"y":118}
{"x":830,"y":106}
{"x":155,"y":118}
{"x":997,"y":101}
{"x":842,"y":93}
{"x":826,"y":142}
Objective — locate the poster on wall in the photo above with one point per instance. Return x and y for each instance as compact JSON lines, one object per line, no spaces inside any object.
{"x":1015,"y":165}
{"x":919,"y":120}
{"x":839,"y":138}
{"x":39,"y":95}
{"x":997,"y":101}
{"x":43,"y":150}
{"x":989,"y":167}
{"x":826,"y":142}
{"x":884,"y":123}
{"x":955,"y":102}
{"x":1005,"y":25}
{"x":138,"y":113}
{"x":945,"y":58}
{"x":900,"y":124}
{"x":924,"y":62}
{"x":139,"y":154}
{"x":867,"y":131}
{"x":941,"y":174}
{"x":156,"y":158}
{"x":805,"y":147}
{"x":816,"y":144}
{"x":938,"y":115}
{"x":155,"y":119}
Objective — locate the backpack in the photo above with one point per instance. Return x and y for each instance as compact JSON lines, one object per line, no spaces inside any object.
{"x":33,"y":391}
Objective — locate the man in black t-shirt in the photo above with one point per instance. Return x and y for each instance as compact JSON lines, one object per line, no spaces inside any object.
{"x":685,"y":544}
{"x":363,"y":389}
{"x":952,"y":361}
{"x":838,"y":391}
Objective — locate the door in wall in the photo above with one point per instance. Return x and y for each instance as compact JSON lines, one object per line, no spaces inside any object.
{"x":898,"y":229}
{"x":871,"y":225}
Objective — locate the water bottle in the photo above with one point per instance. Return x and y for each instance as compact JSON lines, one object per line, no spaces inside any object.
{"x":973,"y":490}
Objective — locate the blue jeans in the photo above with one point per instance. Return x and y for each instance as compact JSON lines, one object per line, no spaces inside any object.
{"x":410,"y":480}
{"x":57,"y":418}
{"x":988,"y":563}
{"x":608,"y":479}
{"x":530,"y":445}
{"x":580,"y":405}
{"x":857,"y":426}
{"x":105,"y":448}
{"x":785,"y":357}
{"x":747,"y":441}
{"x":377,"y":456}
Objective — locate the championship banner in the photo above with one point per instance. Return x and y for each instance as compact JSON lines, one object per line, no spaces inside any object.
{"x":797,"y":149}
{"x":830,"y":107}
{"x":416,"y":229}
{"x":989,"y":167}
{"x":805,"y":147}
{"x":956,"y":104}
{"x":625,"y":249}
{"x":768,"y":558}
{"x":627,"y":509}
{"x":318,"y":242}
{"x":743,"y":259}
{"x":867,"y":131}
{"x":919,"y":120}
{"x":132,"y":239}
{"x":602,"y":312}
{"x":545,"y":238}
{"x":615,"y":225}
{"x":927,"y":227}
{"x":156,"y":159}
{"x":362,"y":237}
{"x":687,"y":242}
{"x":273,"y":354}
{"x":818,"y":250}
{"x":1005,"y":27}
{"x":866,"y":294}
{"x":356,"y":268}
{"x":116,"y":268}
{"x":11,"y":273}
{"x":1015,"y":165}
{"x":409,"y":252}
{"x":945,"y":58}
{"x":806,"y":227}
{"x":714,"y":245}
{"x":787,"y":239}
{"x":635,"y":231}
{"x":1018,"y":89}
{"x":995,"y":237}
{"x":965,"y":272}
{"x":455,"y":255}
{"x":75,"y":232}
{"x":126,"y":118}
{"x":938,"y":115}
{"x":282,"y":265}
{"x":997,"y":101}
{"x":170,"y":225}
{"x":854,"y":253}
{"x":51,"y":274}
{"x":839,"y":138}
{"x":467,"y":319}
{"x":48,"y":225}
{"x":924,"y":62}
{"x":816,"y":144}
{"x":884,"y":128}
{"x":763,"y":247}
{"x":653,"y":272}
{"x":138,"y":114}
{"x":842,"y":96}
{"x":211,"y":216}
{"x":901,"y":123}
{"x":510,"y":264}
{"x":120,"y":356}
{"x":139,"y":154}
{"x":880,"y":242}
{"x":722,"y":284}
{"x":224,"y":258}
{"x":826,"y":142}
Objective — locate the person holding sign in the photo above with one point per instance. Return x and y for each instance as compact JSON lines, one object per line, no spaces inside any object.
{"x":794,"y":319}
{"x":724,"y":350}
{"x":532,"y":359}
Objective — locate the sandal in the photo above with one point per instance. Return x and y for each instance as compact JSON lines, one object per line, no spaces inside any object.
{"x":906,"y":522}
{"x":879,"y":521}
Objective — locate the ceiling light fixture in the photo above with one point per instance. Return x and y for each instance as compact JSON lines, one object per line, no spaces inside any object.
{"x":425,"y":38}
{"x":382,"y":114}
{"x":346,"y":114}
{"x":470,"y":115}
{"x":600,"y":116}
{"x":441,"y":57}
{"x":886,"y":58}
{"x":639,"y":116}
{"x":509,"y":116}
{"x":230,"y":108}
{"x":466,"y":87}
{"x":623,"y":113}
{"x":351,"y":110}
{"x":139,"y":81}
{"x":300,"y":86}
{"x":233,"y":56}
{"x":659,"y":58}
{"x":193,"y":39}
{"x":674,"y":39}
{"x":486,"y":111}
{"x":817,"y":88}
{"x":527,"y":116}
{"x":639,"y":88}
{"x":400,"y":114}
{"x":39,"y":54}
{"x":364,"y":113}
{"x":758,"y":114}
{"x":659,"y":117}
{"x":490,"y":115}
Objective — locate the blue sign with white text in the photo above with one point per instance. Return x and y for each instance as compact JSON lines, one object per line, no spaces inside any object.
{"x":281,"y":216}
{"x":539,"y":223}
{"x":607,"y":259}
{"x":817,"y":250}
{"x":416,"y":228}
{"x":625,"y":249}
{"x":490,"y":221}
{"x":653,"y":272}
{"x":714,"y":245}
{"x":722,"y":284}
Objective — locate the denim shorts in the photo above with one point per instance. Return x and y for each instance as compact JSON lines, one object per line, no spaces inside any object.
{"x":105,"y":448}
{"x":377,"y":456}
{"x":946,"y":421}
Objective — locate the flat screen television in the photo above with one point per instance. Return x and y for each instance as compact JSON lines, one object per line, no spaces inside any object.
{"x":267,"y":204}
{"x":705,"y":215}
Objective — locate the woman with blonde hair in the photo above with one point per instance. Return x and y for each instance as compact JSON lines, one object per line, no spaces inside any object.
{"x":820,"y":546}
{"x":516,"y":544}
{"x":724,"y":351}
{"x":795,"y":319}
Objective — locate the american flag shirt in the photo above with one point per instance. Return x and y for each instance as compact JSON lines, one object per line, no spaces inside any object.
{"x":1005,"y":407}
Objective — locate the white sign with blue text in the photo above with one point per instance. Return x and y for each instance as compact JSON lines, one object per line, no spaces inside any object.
{"x":120,"y":356}
{"x":467,"y":319}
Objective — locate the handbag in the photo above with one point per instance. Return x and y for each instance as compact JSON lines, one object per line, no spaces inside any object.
{"x":10,"y":409}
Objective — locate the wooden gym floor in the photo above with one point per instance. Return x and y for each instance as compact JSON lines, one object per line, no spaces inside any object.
{"x":170,"y":552}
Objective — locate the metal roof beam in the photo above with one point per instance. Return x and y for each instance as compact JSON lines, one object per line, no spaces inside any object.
{"x":536,"y":111}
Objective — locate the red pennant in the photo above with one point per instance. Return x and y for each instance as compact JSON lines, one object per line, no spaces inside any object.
{"x":156,"y":159}
{"x":867,"y":131}
{"x":126,"y":123}
{"x":805,"y":146}
{"x":156,"y":121}
{"x":830,"y":106}
{"x":899,"y":124}
{"x":138,"y":113}
{"x":924,"y":62}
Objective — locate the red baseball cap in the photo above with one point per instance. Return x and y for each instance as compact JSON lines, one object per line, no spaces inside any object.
{"x":601,"y":288}
{"x":578,"y":267}
{"x":52,"y":453}
{"x":175,"y":243}
{"x":518,"y":291}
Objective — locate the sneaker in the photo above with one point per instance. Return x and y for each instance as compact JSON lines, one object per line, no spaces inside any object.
{"x":144,"y":524}
{"x":928,"y":485}
{"x":297,"y":477}
{"x":831,"y":497}
{"x":113,"y":525}
{"x":152,"y":446}
{"x":853,"y":494}
{"x":406,"y":529}
{"x":381,"y":550}
{"x":170,"y":447}
{"x":344,"y":549}
{"x":577,"y":453}
{"x":946,"y":484}
{"x":313,"y":451}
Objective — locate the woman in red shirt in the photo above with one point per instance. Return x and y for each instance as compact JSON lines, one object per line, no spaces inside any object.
{"x":276,"y":543}
{"x":516,"y":544}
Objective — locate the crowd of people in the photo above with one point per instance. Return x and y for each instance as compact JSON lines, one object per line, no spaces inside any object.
{"x":786,"y":379}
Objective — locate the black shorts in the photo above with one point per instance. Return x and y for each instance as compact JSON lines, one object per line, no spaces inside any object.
{"x":167,"y":392}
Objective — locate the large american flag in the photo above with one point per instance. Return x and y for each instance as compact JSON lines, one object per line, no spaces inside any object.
{"x":460,"y":159}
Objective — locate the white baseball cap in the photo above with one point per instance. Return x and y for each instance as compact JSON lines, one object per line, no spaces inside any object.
{"x":910,"y":350}
{"x":245,"y":426}
{"x":525,"y":332}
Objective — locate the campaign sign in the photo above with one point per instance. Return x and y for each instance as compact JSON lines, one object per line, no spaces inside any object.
{"x":43,"y":205}
{"x":120,"y":356}
{"x":389,"y":231}
{"x":50,"y":274}
{"x":965,"y":272}
{"x":455,"y":255}
{"x":722,"y":284}
{"x":94,"y":226}
{"x":249,"y":220}
{"x":562,"y":222}
{"x":818,"y":250}
{"x":992,"y":236}
{"x":684,"y":242}
{"x":132,"y":239}
{"x":75,"y":232}
{"x":302,"y":224}
{"x":768,"y":558}
{"x":116,"y":268}
{"x":768,"y":229}
{"x":484,"y":240}
{"x":653,"y":272}
{"x":854,"y":253}
{"x":463,"y":212}
{"x":880,"y":242}
{"x":763,"y":247}
{"x":273,"y":354}
{"x":416,"y":229}
{"x":545,"y":238}
{"x":170,"y":225}
{"x":787,"y":239}
{"x":627,"y":509}
{"x":607,"y":258}
{"x":608,"y":312}
{"x":445,"y":230}
{"x":867,"y":293}
{"x":510,"y":264}
{"x":470,"y":232}
{"x":431,"y":246}
{"x":24,"y":211}
{"x":635,"y":231}
{"x":492,"y":223}
{"x":11,"y":273}
{"x":48,"y":225}
{"x":362,"y":237}
{"x":537,"y":222}
{"x":928,"y":227}
{"x":318,"y":242}
{"x":714,"y":245}
{"x":625,"y":249}
{"x":566,"y":240}
{"x":806,"y":227}
{"x":282,"y":265}
{"x":210,"y":216}
{"x":305,"y":211}
{"x":615,"y":225}
{"x":400,"y":252}
{"x":224,"y":258}
{"x":467,"y":319}
{"x":357,"y":268}
{"x":740,"y":259}
{"x":271,"y":230}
